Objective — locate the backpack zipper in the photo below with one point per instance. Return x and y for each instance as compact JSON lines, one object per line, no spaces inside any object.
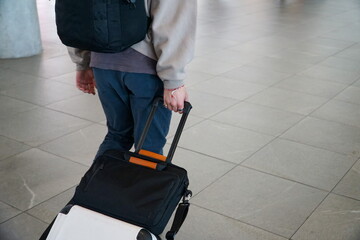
{"x":132,"y":3}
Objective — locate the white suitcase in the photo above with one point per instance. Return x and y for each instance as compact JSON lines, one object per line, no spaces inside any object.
{"x":83,"y":224}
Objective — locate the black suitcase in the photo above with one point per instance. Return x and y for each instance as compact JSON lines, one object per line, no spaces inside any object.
{"x":141,"y":187}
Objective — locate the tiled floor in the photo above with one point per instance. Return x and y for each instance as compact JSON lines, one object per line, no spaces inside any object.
{"x":272,"y":145}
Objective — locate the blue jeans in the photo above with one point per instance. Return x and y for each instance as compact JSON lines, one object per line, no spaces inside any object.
{"x":127,"y":100}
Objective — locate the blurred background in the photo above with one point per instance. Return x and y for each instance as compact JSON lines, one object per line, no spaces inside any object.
{"x":272,"y":145}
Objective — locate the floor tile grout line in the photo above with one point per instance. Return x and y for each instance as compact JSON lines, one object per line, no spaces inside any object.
{"x":312,"y":65}
{"x":237,"y":220}
{"x":52,"y":197}
{"x":330,"y":192}
{"x":237,"y":101}
{"x":258,"y":170}
{"x":72,"y":115}
{"x":30,"y":74}
{"x":284,"y":178}
{"x":65,"y":158}
{"x":214,"y":181}
{"x":249,"y":129}
{"x":36,"y":218}
{"x":310,"y":114}
{"x":27,"y":211}
{"x":36,"y":104}
{"x":306,"y":93}
{"x":345,"y":196}
{"x":13,"y":155}
{"x":206,"y":155}
{"x":333,"y":121}
{"x":313,"y":146}
{"x":280,"y":136}
{"x":17,"y":209}
{"x":277,"y":137}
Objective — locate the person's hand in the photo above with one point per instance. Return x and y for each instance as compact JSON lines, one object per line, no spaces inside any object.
{"x":85,"y":81}
{"x":174,"y":99}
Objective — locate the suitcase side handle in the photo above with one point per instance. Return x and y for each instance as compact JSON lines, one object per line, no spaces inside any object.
{"x":185,"y":114}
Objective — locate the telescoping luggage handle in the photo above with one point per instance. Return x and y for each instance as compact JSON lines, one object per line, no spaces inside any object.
{"x":168,"y":159}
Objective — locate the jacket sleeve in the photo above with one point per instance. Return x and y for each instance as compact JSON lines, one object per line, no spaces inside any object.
{"x":173,"y":33}
{"x":80,"y":57}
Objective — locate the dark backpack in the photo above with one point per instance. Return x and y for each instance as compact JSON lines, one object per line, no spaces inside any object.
{"x":107,"y":26}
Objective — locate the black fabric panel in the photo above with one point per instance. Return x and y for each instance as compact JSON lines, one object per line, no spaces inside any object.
{"x":100,"y":20}
{"x":132,"y":193}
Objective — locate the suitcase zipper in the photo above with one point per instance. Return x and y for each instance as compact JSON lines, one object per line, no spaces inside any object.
{"x":92,"y":176}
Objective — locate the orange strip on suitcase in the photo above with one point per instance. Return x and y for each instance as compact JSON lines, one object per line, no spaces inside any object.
{"x":144,"y":163}
{"x":152,"y":155}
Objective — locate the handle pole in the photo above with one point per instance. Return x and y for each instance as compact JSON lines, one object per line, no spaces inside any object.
{"x":185,"y":114}
{"x":179,"y":130}
{"x":147,"y":124}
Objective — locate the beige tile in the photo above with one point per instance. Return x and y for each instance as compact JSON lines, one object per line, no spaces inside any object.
{"x":86,"y":106}
{"x":52,"y":49}
{"x":279,"y":65}
{"x":341,"y":112}
{"x":9,"y":147}
{"x":175,"y":120}
{"x":256,"y":75}
{"x":336,"y":218}
{"x":206,"y":45}
{"x":204,"y":224}
{"x":202,"y":170}
{"x":331,"y":74}
{"x":45,"y":68}
{"x":321,"y":46}
{"x":80,"y":146}
{"x":11,"y":78}
{"x":357,"y":84}
{"x":194,"y":77}
{"x":296,"y":56}
{"x":291,"y":101}
{"x":39,"y":125}
{"x":259,"y":47}
{"x":68,"y":78}
{"x":230,"y":56}
{"x":311,"y":86}
{"x":22,"y":227}
{"x":223,"y":141}
{"x":353,"y":52}
{"x":228,"y":87}
{"x":351,"y":95}
{"x":258,"y":118}
{"x":261,"y":200}
{"x":242,"y":34}
{"x":206,"y":105}
{"x":202,"y":64}
{"x":7,"y":212}
{"x":10,"y":106}
{"x":328,"y":135}
{"x":48,"y":210}
{"x":42,"y":92}
{"x":349,"y":184}
{"x":342,"y":64}
{"x":34,"y":176}
{"x":305,"y":164}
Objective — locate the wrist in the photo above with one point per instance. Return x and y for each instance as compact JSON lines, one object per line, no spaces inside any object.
{"x":174,"y":89}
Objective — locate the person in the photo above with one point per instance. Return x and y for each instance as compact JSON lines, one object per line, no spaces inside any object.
{"x":129,"y":81}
